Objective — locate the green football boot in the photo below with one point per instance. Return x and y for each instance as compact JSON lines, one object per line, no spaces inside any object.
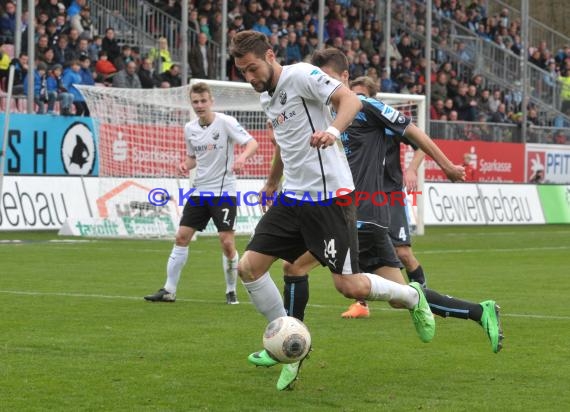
{"x":491,"y":322}
{"x":422,"y":316}
{"x":262,"y":358}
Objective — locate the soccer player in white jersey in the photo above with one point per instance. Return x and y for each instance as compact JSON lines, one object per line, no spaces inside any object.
{"x":368,"y":141}
{"x":210,"y":142}
{"x":307,"y":215}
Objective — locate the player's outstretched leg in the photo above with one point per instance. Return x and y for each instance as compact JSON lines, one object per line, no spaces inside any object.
{"x":491,"y":322}
{"x":262,"y":358}
{"x":485,"y":314}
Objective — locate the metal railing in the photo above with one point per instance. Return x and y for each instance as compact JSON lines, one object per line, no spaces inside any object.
{"x":154,"y":23}
{"x":497,"y":132}
{"x":537,"y":31}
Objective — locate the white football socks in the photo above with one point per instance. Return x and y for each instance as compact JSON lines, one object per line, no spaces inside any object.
{"x":266,"y":297}
{"x":386,"y":290}
{"x":176,"y":262}
{"x":230,"y":271}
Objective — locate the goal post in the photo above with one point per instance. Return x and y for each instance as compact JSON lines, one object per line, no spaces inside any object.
{"x":413,"y":106}
{"x":140,"y":142}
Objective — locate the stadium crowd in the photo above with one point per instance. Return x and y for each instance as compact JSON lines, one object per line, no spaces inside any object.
{"x":71,"y":51}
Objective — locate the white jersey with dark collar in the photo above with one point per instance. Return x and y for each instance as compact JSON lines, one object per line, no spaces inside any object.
{"x":297,"y":108}
{"x":213,"y":147}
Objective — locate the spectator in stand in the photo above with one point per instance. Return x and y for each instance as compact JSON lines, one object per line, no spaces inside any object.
{"x":62,"y":53}
{"x":61,"y":24}
{"x":335,"y":26}
{"x":75,"y":8}
{"x":436,"y":110}
{"x":146,"y":75}
{"x":405,"y":47}
{"x":48,"y":58}
{"x":564,"y":80}
{"x":500,"y":116}
{"x":305,"y":48}
{"x":83,"y":24}
{"x":160,"y":56}
{"x":193,"y":22}
{"x":40,"y":86}
{"x":292,"y":52}
{"x":484,"y":106}
{"x":42,"y":45}
{"x":261,"y":26}
{"x":172,"y":8}
{"x":473,"y":100}
{"x":495,"y":100}
{"x":204,"y":26}
{"x":86,"y":73}
{"x":216,"y":27}
{"x":20,"y":72}
{"x":51,"y":32}
{"x":201,"y":59}
{"x":52,"y":9}
{"x":439,"y":88}
{"x":70,"y":78}
{"x":57,"y":92}
{"x":95,"y":47}
{"x":83,"y":48}
{"x":104,"y":69}
{"x":8,"y":23}
{"x":5,"y":61}
{"x":387,"y":85}
{"x":73,"y":39}
{"x":237,"y":24}
{"x":124,"y":58}
{"x":252,"y":14}
{"x":172,"y":76}
{"x":127,"y":78}
{"x":110,"y":45}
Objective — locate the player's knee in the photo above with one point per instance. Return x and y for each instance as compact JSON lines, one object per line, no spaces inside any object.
{"x":244,"y":268}
{"x":405,"y":255}
{"x":183,"y":238}
{"x":290,"y":269}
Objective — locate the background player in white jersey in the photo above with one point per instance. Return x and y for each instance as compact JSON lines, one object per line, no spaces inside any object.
{"x":210,"y":141}
{"x":295,"y":98}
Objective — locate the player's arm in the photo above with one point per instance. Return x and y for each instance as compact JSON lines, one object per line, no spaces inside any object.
{"x":347,"y":105}
{"x":187,"y":164}
{"x":411,"y":172}
{"x":423,"y":141}
{"x":250,"y":148}
{"x":272,"y":184}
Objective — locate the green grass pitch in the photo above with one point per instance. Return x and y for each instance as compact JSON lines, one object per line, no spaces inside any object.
{"x":76,"y":335}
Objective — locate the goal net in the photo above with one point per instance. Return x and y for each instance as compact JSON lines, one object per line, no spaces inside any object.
{"x":141,"y":142}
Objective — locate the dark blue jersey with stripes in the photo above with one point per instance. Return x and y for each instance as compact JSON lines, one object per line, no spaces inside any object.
{"x":365,"y":143}
{"x":393,"y":176}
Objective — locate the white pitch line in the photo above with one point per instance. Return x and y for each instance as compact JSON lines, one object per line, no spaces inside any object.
{"x":139,"y":298}
{"x":521,"y":249}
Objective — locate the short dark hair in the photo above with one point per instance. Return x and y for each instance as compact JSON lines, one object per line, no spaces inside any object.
{"x":249,"y":41}
{"x":331,"y":57}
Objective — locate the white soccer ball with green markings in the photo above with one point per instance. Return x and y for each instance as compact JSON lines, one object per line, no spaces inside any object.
{"x":287,"y":339}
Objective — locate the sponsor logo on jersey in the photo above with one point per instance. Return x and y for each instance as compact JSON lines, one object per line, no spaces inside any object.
{"x":282,"y":96}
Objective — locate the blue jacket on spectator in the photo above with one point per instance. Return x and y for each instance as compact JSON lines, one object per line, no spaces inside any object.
{"x":70,"y":78}
{"x":86,"y":77}
{"x":37,"y":83}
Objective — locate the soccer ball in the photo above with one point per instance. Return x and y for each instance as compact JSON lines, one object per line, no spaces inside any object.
{"x":287,"y":339}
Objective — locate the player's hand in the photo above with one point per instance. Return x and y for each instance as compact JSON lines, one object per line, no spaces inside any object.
{"x":321,"y":139}
{"x":456,"y":173}
{"x":266,"y":195}
{"x":183,"y":168}
{"x":239,"y":163}
{"x":410,"y":180}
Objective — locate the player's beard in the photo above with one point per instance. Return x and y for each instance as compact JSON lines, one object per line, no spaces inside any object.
{"x":264,"y":86}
